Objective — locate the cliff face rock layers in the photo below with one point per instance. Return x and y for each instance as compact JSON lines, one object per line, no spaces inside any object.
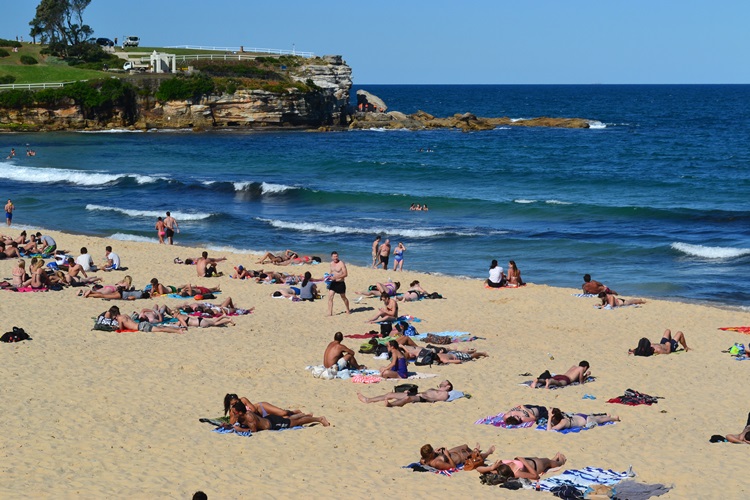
{"x":325,"y":105}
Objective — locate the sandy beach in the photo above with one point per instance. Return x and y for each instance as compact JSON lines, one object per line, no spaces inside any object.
{"x":94,"y":414}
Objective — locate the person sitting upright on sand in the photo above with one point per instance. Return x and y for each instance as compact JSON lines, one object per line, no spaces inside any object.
{"x":338,"y":354}
{"x":743,"y":437}
{"x":205,"y":267}
{"x":594,"y":287}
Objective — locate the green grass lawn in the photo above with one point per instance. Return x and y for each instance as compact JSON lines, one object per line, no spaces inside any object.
{"x":48,"y":70}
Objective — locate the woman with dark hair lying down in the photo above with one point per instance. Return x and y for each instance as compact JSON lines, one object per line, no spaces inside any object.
{"x":443,"y":459}
{"x":558,"y":420}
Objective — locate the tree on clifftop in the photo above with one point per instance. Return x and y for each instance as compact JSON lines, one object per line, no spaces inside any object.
{"x":60,"y":23}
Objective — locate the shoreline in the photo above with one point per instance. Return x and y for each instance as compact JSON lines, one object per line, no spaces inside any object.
{"x":125,"y":405}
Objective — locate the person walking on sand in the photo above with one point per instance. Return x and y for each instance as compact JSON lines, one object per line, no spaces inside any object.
{"x":160,"y":230}
{"x":171,"y":226}
{"x":9,"y":207}
{"x":375,"y":251}
{"x":337,"y":285}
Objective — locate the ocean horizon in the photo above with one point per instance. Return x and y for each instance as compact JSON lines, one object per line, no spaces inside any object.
{"x":650,"y":200}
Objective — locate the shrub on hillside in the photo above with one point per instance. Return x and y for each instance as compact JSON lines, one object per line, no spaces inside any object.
{"x":9,"y":43}
{"x":6,"y":79}
{"x":236,"y":69}
{"x":193,"y":87}
{"x":28,"y":60}
{"x":4,"y":53}
{"x":16,"y":99}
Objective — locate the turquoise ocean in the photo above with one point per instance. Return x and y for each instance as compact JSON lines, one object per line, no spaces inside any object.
{"x":651,"y":200}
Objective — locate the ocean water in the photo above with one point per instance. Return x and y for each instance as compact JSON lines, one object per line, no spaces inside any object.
{"x":652,"y":200}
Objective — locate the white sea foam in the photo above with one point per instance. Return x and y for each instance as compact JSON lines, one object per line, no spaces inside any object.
{"x":77,"y":177}
{"x":111,"y":131}
{"x":228,"y":249}
{"x":557,"y":202}
{"x":523,"y":201}
{"x":710,"y":252}
{"x":332,"y":229}
{"x":596,"y":124}
{"x":268,"y":188}
{"x":241,"y":186}
{"x":150,"y":214}
{"x":133,"y":237}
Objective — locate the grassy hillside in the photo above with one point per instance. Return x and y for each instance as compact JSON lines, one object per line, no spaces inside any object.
{"x":49,"y":69}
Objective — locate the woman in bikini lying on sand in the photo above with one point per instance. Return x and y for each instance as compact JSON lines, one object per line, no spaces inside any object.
{"x":529,"y":468}
{"x":609,"y":299}
{"x":261,"y":409}
{"x":444,"y":459}
{"x":559,"y":420}
{"x":415,"y":292}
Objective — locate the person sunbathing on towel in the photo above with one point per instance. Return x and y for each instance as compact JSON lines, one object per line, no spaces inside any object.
{"x":226,"y":307}
{"x":261,"y":409}
{"x":201,"y":322}
{"x":574,"y":374}
{"x":743,"y":437}
{"x":380,"y":289}
{"x":191,"y":291}
{"x":442,"y":393}
{"x":530,"y":468}
{"x":559,"y":420}
{"x":444,"y":459}
{"x":666,"y":345}
{"x":458,"y":357}
{"x":415,"y":292}
{"x":288,"y":255}
{"x":248,"y":421}
{"x":127,"y":323}
{"x":609,"y":299}
{"x":524,"y":413}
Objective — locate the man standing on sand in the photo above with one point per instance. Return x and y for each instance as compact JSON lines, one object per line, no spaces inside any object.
{"x":9,"y":207}
{"x":171,"y":226}
{"x":337,"y":285}
{"x":385,"y":253}
{"x":375,"y":251}
{"x":206,"y":267}
{"x":338,"y":354}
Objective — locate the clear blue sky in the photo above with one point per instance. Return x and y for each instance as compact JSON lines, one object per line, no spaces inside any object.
{"x":442,"y":41}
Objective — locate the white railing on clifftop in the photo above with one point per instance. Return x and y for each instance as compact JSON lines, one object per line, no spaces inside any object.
{"x":33,"y":86}
{"x":282,"y":52}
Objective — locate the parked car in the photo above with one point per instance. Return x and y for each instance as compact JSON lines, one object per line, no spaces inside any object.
{"x":105,"y":42}
{"x":131,"y":41}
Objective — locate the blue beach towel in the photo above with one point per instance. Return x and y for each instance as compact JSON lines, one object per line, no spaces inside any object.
{"x":583,"y":478}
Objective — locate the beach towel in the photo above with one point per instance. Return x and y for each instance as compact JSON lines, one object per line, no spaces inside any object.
{"x":581,"y":479}
{"x":635,"y":398}
{"x":219,"y":422}
{"x":29,"y":289}
{"x":453,"y":336}
{"x":585,"y":295}
{"x":362,"y":335}
{"x":610,"y":308}
{"x":417,"y":467}
{"x":632,"y":490}
{"x":541,"y":383}
{"x":740,"y":329}
{"x":497,"y":421}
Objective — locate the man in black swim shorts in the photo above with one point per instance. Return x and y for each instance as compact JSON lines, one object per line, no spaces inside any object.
{"x":337,"y":285}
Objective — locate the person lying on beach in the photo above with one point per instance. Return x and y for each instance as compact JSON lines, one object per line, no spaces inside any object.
{"x":458,"y":357}
{"x":529,"y":468}
{"x":399,"y":365}
{"x":593,"y":287}
{"x":153,"y":315}
{"x":298,"y":261}
{"x":575,"y":373}
{"x":242,"y":273}
{"x":389,"y":311}
{"x":9,"y":251}
{"x":127,"y":323}
{"x":415,"y":292}
{"x":205,"y":267}
{"x":444,"y":459}
{"x":338,"y":354}
{"x":191,"y":291}
{"x":201,"y":322}
{"x":248,"y":421}
{"x":666,"y":345}
{"x":522,"y":414}
{"x":278,"y":259}
{"x":288,"y":293}
{"x":119,"y":294}
{"x":743,"y":437}
{"x":558,"y":420}
{"x":609,"y":299}
{"x":389,"y":289}
{"x":226,"y":307}
{"x":262,"y":409}
{"x":441,"y":394}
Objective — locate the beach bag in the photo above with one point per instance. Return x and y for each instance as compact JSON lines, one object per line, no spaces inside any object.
{"x":737,"y":350}
{"x":385,"y":329}
{"x":567,"y":491}
{"x":17,"y":335}
{"x":367,"y":348}
{"x":106,"y":324}
{"x":410,"y":389}
{"x":644,"y":348}
{"x":474,"y":461}
{"x":425,"y":357}
{"x":434,"y":295}
{"x":410,"y":331}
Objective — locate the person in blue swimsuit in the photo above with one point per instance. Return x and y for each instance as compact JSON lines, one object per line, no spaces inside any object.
{"x":398,"y":366}
{"x":398,"y":257}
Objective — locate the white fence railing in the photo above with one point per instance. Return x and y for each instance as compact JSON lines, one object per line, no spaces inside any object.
{"x":282,"y":52}
{"x":33,"y":86}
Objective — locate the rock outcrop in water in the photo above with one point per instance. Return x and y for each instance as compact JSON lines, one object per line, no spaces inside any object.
{"x":466,"y":122}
